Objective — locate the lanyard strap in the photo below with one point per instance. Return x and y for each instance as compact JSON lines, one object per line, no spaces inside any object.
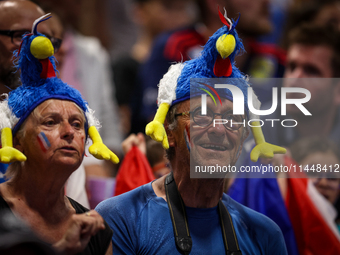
{"x":180,"y":223}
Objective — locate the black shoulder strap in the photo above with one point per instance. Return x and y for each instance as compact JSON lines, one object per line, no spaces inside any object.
{"x":78,"y":207}
{"x":228,"y":231}
{"x":178,"y":215}
{"x":180,"y":223}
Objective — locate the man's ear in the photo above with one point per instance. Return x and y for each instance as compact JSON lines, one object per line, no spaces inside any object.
{"x":169,"y":133}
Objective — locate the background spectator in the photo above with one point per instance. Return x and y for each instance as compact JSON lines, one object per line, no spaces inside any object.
{"x":152,"y":17}
{"x":315,"y":151}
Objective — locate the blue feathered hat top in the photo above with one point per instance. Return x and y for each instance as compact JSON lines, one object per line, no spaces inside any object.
{"x":217,"y":60}
{"x":38,"y":77}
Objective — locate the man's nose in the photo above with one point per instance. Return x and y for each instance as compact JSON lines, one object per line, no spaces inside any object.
{"x":217,"y":127}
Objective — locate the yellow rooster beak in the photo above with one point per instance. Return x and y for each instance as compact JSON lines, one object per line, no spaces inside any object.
{"x":41,"y":47}
{"x":225,"y":45}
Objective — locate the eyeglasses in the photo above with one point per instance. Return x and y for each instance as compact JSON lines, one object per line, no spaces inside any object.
{"x":233,"y":122}
{"x":56,"y":42}
{"x":16,"y":37}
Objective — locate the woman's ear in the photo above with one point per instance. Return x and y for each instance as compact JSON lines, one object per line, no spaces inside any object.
{"x":17,"y":144}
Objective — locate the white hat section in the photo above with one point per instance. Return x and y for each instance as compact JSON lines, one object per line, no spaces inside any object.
{"x":92,"y":120}
{"x":167,"y":85}
{"x":7,"y":118}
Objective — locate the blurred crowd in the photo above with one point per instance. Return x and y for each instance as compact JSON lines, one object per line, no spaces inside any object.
{"x":116,"y":51}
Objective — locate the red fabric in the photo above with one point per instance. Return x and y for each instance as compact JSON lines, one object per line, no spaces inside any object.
{"x":134,"y":172}
{"x":222,"y":67}
{"x":180,"y":42}
{"x":268,"y":49}
{"x":312,"y":234}
{"x":47,"y":69}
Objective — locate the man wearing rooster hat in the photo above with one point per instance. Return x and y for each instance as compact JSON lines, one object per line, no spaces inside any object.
{"x":178,"y":214}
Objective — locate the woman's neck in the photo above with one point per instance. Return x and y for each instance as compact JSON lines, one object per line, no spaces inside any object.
{"x":38,"y":189}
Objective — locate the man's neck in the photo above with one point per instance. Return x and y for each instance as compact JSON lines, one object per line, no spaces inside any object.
{"x":199,"y":193}
{"x":196,"y":193}
{"x":141,"y":49}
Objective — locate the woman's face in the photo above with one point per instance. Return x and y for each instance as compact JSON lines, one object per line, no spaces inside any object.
{"x":54,"y":135}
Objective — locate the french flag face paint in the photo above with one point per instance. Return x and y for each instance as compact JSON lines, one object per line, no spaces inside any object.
{"x":187,"y":137}
{"x":43,"y":141}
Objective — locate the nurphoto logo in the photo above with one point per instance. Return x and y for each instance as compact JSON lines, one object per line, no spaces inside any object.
{"x":239,"y":103}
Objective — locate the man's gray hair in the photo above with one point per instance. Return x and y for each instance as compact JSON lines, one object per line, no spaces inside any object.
{"x":171,"y":119}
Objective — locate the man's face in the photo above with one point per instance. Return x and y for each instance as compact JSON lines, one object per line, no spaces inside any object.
{"x":15,"y":15}
{"x":208,"y":145}
{"x":307,"y":67}
{"x":304,"y":61}
{"x":255,"y":16}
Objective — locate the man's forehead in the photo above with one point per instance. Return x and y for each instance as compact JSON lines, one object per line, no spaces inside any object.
{"x":19,"y":15}
{"x":303,"y":49}
{"x":197,"y":101}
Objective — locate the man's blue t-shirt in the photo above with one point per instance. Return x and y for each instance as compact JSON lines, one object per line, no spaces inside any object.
{"x":141,"y":224}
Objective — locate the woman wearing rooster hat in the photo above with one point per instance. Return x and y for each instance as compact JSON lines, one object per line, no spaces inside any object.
{"x":49,"y":122}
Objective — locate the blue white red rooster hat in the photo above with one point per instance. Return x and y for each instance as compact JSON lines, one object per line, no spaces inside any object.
{"x":216,"y":61}
{"x":40,"y":83}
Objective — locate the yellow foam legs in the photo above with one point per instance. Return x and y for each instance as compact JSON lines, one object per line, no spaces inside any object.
{"x":8,"y":154}
{"x":155,"y":129}
{"x":262,"y":148}
{"x":98,"y":149}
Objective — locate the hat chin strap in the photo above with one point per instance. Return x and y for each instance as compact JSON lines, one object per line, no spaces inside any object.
{"x":8,"y":154}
